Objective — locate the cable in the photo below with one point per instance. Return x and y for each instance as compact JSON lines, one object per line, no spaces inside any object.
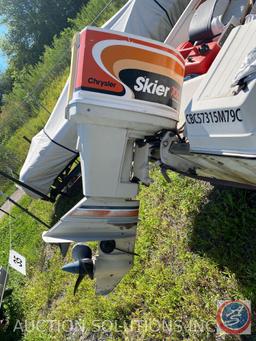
{"x":127,"y":252}
{"x":102,"y":11}
{"x":3,"y":211}
{"x":167,"y":14}
{"x":22,"y":184}
{"x":28,"y":213}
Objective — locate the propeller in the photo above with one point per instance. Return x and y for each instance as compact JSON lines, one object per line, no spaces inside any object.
{"x":83,"y":264}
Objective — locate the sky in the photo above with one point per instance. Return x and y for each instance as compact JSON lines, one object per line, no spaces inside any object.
{"x":3,"y":59}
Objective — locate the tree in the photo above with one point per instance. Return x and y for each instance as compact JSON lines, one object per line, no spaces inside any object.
{"x":32,"y":24}
{"x":6,"y":82}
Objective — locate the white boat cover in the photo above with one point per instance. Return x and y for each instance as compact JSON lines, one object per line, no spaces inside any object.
{"x":46,"y":159}
{"x":54,"y":147}
{"x":148,"y":18}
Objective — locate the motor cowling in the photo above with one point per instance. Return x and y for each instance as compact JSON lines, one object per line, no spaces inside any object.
{"x":124,"y":88}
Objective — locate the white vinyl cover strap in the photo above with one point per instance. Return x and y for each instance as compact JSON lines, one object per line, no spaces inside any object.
{"x":58,"y":144}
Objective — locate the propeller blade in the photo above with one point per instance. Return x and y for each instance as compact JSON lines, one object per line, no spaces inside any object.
{"x":78,"y":282}
{"x":87,"y":267}
{"x":82,"y":266}
{"x":73,"y":268}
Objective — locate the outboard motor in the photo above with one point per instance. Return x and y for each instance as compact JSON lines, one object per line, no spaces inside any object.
{"x":123,"y":89}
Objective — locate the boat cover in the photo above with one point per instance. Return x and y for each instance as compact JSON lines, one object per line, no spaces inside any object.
{"x":54,"y":147}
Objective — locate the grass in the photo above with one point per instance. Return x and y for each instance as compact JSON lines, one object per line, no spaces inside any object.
{"x":196,"y":246}
{"x":8,"y":190}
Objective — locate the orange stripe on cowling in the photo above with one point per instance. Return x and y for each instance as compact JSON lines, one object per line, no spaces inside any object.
{"x":161,"y":47}
{"x":105,"y":213}
{"x":114,"y":53}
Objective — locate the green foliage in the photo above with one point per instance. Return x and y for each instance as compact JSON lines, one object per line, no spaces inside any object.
{"x":8,"y":162}
{"x":89,"y":15}
{"x":6,"y":82}
{"x":32,"y":25}
{"x":16,"y":142}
